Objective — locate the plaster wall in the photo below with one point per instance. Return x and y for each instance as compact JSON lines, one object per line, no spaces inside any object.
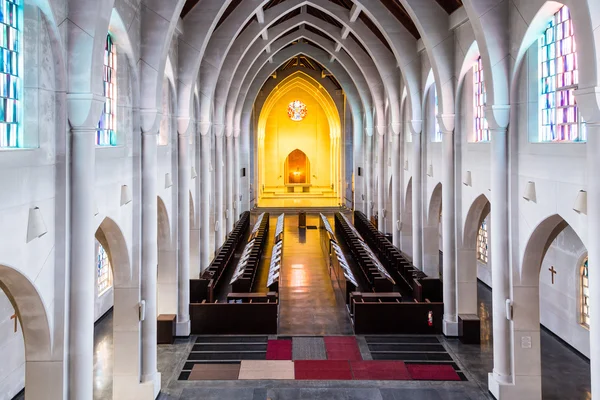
{"x":311,"y":135}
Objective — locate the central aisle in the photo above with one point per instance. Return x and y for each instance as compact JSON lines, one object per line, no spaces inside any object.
{"x":308,"y":303}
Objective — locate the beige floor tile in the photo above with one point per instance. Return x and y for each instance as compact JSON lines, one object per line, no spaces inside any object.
{"x":267,"y":369}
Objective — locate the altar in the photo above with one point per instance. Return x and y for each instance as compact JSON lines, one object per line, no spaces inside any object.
{"x":298,"y":187}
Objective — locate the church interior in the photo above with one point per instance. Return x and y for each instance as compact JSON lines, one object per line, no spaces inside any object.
{"x":299,"y":199}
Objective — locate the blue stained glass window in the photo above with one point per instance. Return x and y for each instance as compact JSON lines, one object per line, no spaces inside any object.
{"x":438,"y":132}
{"x":107,"y":127}
{"x":10,"y":81}
{"x":585,"y":295}
{"x":482,"y":132}
{"x":560,"y":120}
{"x":482,"y":242}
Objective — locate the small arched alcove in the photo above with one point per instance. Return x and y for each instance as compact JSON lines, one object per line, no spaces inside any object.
{"x":297,"y":168}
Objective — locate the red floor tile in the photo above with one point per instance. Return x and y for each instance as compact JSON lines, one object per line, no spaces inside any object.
{"x":422,"y":372}
{"x":379,"y":370}
{"x":322,"y":370}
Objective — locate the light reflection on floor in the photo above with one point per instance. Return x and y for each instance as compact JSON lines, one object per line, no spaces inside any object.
{"x":299,"y":202}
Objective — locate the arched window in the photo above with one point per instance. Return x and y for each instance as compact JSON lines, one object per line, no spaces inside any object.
{"x":103,"y":270}
{"x":482,"y":132}
{"x":10,"y":68}
{"x":560,"y":118}
{"x":438,"y":132}
{"x":482,"y":242}
{"x":107,"y":127}
{"x":585,"y":294}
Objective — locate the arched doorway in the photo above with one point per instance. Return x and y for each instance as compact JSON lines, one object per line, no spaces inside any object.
{"x":31,"y":321}
{"x":297,"y":168}
{"x":124,"y":287}
{"x":431,"y":234}
{"x":552,"y":279}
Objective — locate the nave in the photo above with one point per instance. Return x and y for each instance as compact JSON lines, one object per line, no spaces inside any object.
{"x":565,"y":373}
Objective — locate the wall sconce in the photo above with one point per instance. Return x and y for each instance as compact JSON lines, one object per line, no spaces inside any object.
{"x":398,"y":225}
{"x":384,"y":213}
{"x":210,"y":167}
{"x":430,"y":170}
{"x":227,"y":213}
{"x":362,"y":196}
{"x":581,"y":202}
{"x":168,"y":180}
{"x":217,"y":226}
{"x":96,"y":211}
{"x":467,"y":181}
{"x":406,"y":165}
{"x":194,"y":174}
{"x":36,"y":227}
{"x":529,"y":193}
{"x":125,"y":195}
{"x":372,"y":205}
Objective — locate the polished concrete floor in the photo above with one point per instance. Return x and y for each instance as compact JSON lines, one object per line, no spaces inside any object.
{"x":308,"y":303}
{"x":300,"y":202}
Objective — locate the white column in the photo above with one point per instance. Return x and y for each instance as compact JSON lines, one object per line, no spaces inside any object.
{"x":448,"y":227}
{"x":593,"y":215}
{"x":396,"y":189}
{"x":230,"y":162}
{"x":183,"y":226}
{"x":357,"y":143}
{"x":150,"y":373}
{"x":219,"y":187}
{"x":369,"y":170}
{"x":381,"y":163}
{"x":499,"y":255}
{"x":236,"y":177}
{"x":205,"y":176}
{"x":417,"y":198}
{"x":82,"y":272}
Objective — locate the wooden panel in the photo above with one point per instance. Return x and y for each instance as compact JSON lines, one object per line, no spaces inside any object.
{"x":234,"y":319}
{"x":397,"y":318}
{"x":401,"y":15}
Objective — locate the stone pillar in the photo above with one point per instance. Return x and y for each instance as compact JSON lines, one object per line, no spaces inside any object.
{"x":396,"y":184}
{"x":205,"y":225}
{"x":588,"y":100}
{"x":84,"y":113}
{"x":359,"y":192}
{"x":183,"y":226}
{"x":230,"y":162}
{"x":498,"y":118}
{"x":417,"y":200}
{"x":150,"y":374}
{"x":219,"y":168}
{"x":369,"y":170}
{"x":236,"y":177}
{"x":381,"y":163}
{"x":450,"y":327}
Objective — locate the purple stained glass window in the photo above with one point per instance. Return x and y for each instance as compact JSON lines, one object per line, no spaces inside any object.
{"x":482,"y":132}
{"x":107,"y":126}
{"x":438,"y":131}
{"x":10,"y":97}
{"x":560,"y":118}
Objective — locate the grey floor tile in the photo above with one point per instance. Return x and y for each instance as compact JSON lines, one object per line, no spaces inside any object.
{"x":308,"y":348}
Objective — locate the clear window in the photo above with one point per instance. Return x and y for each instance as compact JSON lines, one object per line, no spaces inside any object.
{"x":10,"y":81}
{"x":103,"y":269}
{"x":585,"y":295}
{"x":560,"y":118}
{"x":107,"y":126}
{"x":482,"y":242}
{"x":482,"y":132}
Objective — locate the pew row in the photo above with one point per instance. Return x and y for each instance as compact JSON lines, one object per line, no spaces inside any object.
{"x":247,"y":267}
{"x":386,"y":313}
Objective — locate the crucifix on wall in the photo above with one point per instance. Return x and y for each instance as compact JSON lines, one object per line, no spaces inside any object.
{"x":553,"y":272}
{"x":16,"y":318}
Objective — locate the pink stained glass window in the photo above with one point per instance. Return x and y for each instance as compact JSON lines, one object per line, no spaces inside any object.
{"x":560,"y":118}
{"x":297,"y":110}
{"x":10,"y":82}
{"x":107,"y":126}
{"x":482,"y":132}
{"x":438,"y":132}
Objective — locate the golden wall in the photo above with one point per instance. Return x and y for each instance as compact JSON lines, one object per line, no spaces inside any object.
{"x":311,"y":135}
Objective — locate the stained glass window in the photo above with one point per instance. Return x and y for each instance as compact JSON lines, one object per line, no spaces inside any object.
{"x":10,"y":82}
{"x":297,"y":110}
{"x":438,"y":132}
{"x":585,"y":295}
{"x":103,"y":270}
{"x":560,"y":119}
{"x":482,"y":132}
{"x":482,"y":242}
{"x":107,"y":127}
